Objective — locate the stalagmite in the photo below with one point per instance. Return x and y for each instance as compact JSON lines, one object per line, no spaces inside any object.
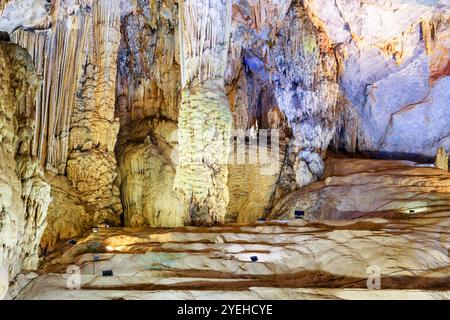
{"x":442,"y":159}
{"x":205,"y":117}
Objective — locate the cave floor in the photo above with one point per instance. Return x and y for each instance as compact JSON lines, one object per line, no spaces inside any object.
{"x":297,"y":259}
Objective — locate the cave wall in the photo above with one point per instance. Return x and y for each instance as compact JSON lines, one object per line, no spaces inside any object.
{"x":24,"y":193}
{"x":125,"y":83}
{"x":75,"y":136}
{"x":395,"y":68}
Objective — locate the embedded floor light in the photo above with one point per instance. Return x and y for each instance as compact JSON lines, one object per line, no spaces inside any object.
{"x":107,"y":273}
{"x":254,"y":258}
{"x":109,"y":248}
{"x":95,"y":230}
{"x":299,"y":214}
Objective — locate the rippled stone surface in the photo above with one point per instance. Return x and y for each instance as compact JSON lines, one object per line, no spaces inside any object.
{"x":296,"y":259}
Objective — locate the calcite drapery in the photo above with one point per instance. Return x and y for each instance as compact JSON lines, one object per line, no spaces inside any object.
{"x":76,"y":128}
{"x":146,"y":173}
{"x":204,"y":118}
{"x":92,"y":166}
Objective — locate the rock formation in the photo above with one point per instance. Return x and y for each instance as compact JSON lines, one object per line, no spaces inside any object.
{"x":296,"y":260}
{"x":353,"y":188}
{"x":394,"y":73}
{"x":24,"y":194}
{"x":442,"y":159}
{"x":148,"y":91}
{"x":306,"y":90}
{"x":77,"y":129}
{"x":171,"y":113}
{"x":205,"y":118}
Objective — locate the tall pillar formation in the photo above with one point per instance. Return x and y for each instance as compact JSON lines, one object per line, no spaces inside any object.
{"x":205,"y":120}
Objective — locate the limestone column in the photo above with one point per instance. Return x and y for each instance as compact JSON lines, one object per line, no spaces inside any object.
{"x":205,"y":120}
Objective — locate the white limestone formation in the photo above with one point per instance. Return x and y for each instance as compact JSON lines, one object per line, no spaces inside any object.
{"x":205,"y":118}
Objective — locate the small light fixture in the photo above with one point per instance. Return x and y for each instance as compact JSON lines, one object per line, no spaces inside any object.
{"x":109,"y":248}
{"x":299,"y":214}
{"x":254,"y":258}
{"x":107,"y":273}
{"x":95,"y":230}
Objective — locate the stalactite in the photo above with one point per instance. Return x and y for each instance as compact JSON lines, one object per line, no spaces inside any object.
{"x":91,"y":165}
{"x":76,"y":128}
{"x":56,"y":53}
{"x":148,"y":70}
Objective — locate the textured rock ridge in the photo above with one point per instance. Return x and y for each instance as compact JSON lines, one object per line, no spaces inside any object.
{"x":296,"y":260}
{"x":354,"y":188}
{"x":205,"y":120}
